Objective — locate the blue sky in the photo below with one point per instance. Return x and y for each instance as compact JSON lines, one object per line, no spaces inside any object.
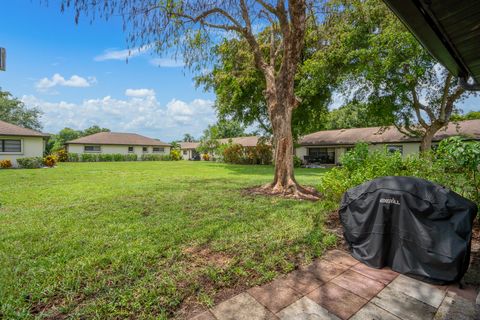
{"x":77,"y":75}
{"x":45,"y":49}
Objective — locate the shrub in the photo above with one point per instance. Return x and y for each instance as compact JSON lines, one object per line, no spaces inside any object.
{"x":454,"y":165}
{"x":89,"y":157}
{"x":131,"y":157}
{"x":118,"y":157}
{"x":175,"y":155}
{"x":206,"y":157}
{"x":50,"y":161}
{"x":62,"y":155}
{"x":263,"y":153}
{"x":105,"y":157}
{"x":297,"y":162}
{"x":237,"y":154}
{"x":73,"y":157}
{"x":155,"y":157}
{"x":30,"y":163}
{"x":5,"y":164}
{"x":233,"y":153}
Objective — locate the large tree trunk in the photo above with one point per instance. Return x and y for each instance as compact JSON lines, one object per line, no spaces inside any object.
{"x":284,"y":179}
{"x":426,"y":143}
{"x":281,"y":99}
{"x":281,"y":103}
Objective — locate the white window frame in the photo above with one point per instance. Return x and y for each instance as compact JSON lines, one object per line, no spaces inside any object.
{"x":133,"y":149}
{"x":160,"y":149}
{"x":12,"y":152}
{"x":145,"y":149}
{"x":92,"y":151}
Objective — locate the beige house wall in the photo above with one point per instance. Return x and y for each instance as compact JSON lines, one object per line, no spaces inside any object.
{"x":31,"y":147}
{"x":116,"y":149}
{"x":188,"y":155}
{"x":409,"y":148}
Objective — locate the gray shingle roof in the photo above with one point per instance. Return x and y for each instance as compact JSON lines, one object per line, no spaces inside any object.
{"x":118,"y":138}
{"x":250,"y":141}
{"x":469,"y":128}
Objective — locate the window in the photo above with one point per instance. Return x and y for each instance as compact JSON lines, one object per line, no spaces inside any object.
{"x":145,"y":149}
{"x":321,"y":155}
{"x":10,"y":145}
{"x":185,"y":152}
{"x":91,"y":148}
{"x":130,"y":149}
{"x":392,"y":148}
{"x":158,"y":149}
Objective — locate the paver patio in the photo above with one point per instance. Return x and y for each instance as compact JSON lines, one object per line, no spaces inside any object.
{"x":339,"y":287}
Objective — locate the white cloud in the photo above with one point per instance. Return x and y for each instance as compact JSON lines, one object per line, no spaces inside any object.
{"x":75,"y":81}
{"x":167,"y":63}
{"x":111,"y":54}
{"x":137,"y":114}
{"x":139,"y":93}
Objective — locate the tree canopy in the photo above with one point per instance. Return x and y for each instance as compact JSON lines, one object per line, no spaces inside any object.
{"x":224,"y":129}
{"x":356,"y":115}
{"x":387,"y":69}
{"x":472,"y":115}
{"x":14,"y":111}
{"x":239,"y":87}
{"x":187,"y":137}
{"x":57,"y":141}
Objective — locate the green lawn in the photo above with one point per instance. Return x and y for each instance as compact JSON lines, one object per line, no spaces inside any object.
{"x":145,"y":239}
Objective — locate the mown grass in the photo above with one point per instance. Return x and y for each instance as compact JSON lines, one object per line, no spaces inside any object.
{"x":144,"y":239}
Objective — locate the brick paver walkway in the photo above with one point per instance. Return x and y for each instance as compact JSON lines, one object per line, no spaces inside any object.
{"x":339,"y":287}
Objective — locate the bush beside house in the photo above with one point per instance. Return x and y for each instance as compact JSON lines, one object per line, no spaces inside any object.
{"x":5,"y":164}
{"x":103,"y":157}
{"x":30,"y":162}
{"x":455,"y":165}
{"x":238,"y":154}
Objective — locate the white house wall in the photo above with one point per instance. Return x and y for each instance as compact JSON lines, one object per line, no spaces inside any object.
{"x":116,"y":149}
{"x":31,"y":147}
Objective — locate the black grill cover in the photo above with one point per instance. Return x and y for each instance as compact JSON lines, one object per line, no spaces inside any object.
{"x":412,"y":225}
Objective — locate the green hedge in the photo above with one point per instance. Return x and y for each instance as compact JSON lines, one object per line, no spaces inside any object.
{"x":30,"y":163}
{"x":156,"y":157}
{"x":100,"y":157}
{"x":103,"y":157}
{"x":454,"y":165}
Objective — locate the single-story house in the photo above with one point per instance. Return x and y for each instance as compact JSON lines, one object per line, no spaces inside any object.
{"x":189,"y":151}
{"x":326,"y":147}
{"x":18,"y":142}
{"x":117,"y":143}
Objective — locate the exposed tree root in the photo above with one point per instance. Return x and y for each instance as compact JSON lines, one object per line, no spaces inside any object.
{"x":291,"y":191}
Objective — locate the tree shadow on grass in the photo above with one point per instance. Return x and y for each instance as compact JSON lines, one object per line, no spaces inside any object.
{"x":268,"y":170}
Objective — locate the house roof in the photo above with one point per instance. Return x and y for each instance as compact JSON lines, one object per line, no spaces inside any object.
{"x":189,"y":145}
{"x":118,"y":138}
{"x":447,"y":29}
{"x":469,"y":128}
{"x":8,"y":129}
{"x":250,"y":141}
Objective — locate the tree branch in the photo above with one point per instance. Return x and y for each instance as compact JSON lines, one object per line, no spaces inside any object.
{"x":417,"y":107}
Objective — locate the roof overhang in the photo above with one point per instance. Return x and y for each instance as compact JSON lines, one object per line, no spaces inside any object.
{"x":449,"y":30}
